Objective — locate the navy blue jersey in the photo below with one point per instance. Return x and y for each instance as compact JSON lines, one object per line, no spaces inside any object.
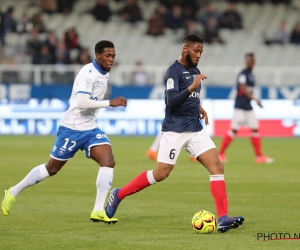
{"x":185,"y":117}
{"x":241,"y":100}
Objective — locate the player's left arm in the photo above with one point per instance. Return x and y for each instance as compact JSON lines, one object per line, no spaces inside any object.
{"x":203,"y":115}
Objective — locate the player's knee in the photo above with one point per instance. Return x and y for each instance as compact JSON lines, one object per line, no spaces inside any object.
{"x":52,"y":170}
{"x":110,"y":163}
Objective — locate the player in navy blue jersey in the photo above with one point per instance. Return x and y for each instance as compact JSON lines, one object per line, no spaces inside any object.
{"x":181,"y":129}
{"x":244,"y":114}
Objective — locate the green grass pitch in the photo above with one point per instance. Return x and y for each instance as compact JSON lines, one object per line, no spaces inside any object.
{"x":54,"y":214}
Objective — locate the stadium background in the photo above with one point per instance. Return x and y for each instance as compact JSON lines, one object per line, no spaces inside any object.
{"x":46,"y":42}
{"x":33,"y":95}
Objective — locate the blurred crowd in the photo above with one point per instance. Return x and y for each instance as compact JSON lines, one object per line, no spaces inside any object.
{"x":197,"y":16}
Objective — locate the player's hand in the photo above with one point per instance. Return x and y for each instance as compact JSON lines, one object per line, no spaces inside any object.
{"x":259,"y":103}
{"x":197,"y":81}
{"x":203,"y":115}
{"x":119,"y":101}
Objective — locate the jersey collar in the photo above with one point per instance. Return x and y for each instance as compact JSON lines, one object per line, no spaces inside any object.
{"x":103,"y":72}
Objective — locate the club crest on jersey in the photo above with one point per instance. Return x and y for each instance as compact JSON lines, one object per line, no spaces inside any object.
{"x":170,"y":83}
{"x":61,"y":151}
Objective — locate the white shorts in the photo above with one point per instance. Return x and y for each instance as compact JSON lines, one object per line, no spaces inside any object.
{"x":171,"y":143}
{"x":245,"y":118}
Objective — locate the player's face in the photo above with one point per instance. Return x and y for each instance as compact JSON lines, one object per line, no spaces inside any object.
{"x":106,"y":58}
{"x":193,"y":55}
{"x":250,"y":61}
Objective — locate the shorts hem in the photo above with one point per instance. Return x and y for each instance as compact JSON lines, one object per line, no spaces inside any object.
{"x":171,"y":163}
{"x":95,"y":144}
{"x":59,"y":159}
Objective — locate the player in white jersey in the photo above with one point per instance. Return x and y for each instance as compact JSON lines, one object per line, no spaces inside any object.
{"x":79,"y":130}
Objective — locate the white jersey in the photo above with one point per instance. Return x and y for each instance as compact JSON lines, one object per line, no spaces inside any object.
{"x":92,"y":80}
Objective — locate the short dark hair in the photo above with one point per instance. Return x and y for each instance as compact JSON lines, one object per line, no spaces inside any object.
{"x":100,"y":46}
{"x":249,"y":54}
{"x":192,"y":38}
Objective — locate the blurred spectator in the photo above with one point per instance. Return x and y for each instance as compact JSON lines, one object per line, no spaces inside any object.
{"x":61,"y":53}
{"x":189,"y":12}
{"x":48,"y":6}
{"x":8,"y":24}
{"x":33,"y":44}
{"x":287,"y":2}
{"x":24,"y":25}
{"x":139,"y":76}
{"x":38,"y":23}
{"x":43,"y":57}
{"x":211,"y":31}
{"x":51,"y":42}
{"x":71,"y":39}
{"x":231,"y":19}
{"x":175,"y":19}
{"x":191,"y":27}
{"x":101,"y":11}
{"x":131,"y":12}
{"x":281,"y":36}
{"x":295,"y":35}
{"x":156,"y":25}
{"x":65,"y":6}
{"x":62,"y":57}
{"x":208,"y":12}
{"x":182,"y":3}
{"x":162,"y":11}
{"x":84,"y":57}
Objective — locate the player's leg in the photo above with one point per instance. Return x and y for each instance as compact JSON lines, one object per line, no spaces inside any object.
{"x":170,"y":147}
{"x":255,"y":138}
{"x":140,"y":182}
{"x":35,"y":176}
{"x":153,"y":150}
{"x":238,"y":118}
{"x":103,"y":155}
{"x":203,"y":146}
{"x":66,"y":144}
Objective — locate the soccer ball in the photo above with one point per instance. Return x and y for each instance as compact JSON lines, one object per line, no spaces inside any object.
{"x":204,"y":222}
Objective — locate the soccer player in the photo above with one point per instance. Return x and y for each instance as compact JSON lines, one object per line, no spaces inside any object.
{"x":181,"y":129}
{"x":79,"y":130}
{"x":244,"y":114}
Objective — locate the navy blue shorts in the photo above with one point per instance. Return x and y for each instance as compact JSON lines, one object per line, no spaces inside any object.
{"x":69,"y":141}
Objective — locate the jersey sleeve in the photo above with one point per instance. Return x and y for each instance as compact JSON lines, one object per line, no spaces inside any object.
{"x":172,"y":81}
{"x":86,"y":81}
{"x":242,"y":79}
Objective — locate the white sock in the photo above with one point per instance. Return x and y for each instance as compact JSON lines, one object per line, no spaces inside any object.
{"x":155,"y":144}
{"x":150,"y":177}
{"x":36,"y":175}
{"x":103,"y":184}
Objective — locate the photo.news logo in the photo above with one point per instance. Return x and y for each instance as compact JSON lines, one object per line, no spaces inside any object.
{"x":277,"y":236}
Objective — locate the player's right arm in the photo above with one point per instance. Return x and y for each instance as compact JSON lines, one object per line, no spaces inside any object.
{"x":84,"y":102}
{"x":174,"y":98}
{"x":197,"y":81}
{"x":244,"y":90}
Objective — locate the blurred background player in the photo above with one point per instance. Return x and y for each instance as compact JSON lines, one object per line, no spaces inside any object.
{"x":181,"y":129}
{"x":244,"y":114}
{"x":79,"y":130}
